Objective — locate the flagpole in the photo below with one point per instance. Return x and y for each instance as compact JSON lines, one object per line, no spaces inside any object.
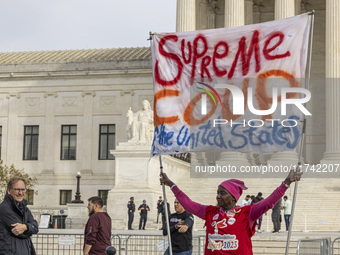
{"x":166,"y":208}
{"x":163,"y":185}
{"x":295,"y":189}
{"x":303,"y":133}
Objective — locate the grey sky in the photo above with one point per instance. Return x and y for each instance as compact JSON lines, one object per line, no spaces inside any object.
{"x":30,"y":25}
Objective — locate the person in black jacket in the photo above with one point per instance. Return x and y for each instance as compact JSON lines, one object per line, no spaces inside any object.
{"x":163,"y":213}
{"x":181,"y":224}
{"x":131,"y":211}
{"x":160,"y":204}
{"x":143,"y":208}
{"x":16,"y":221}
{"x":276,"y":216}
{"x":257,"y":199}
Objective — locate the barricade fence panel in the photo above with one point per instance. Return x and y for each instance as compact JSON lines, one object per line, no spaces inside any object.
{"x":336,"y":246}
{"x":320,"y":246}
{"x":58,"y":244}
{"x":72,"y":244}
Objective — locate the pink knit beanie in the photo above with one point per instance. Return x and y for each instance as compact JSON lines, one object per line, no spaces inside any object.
{"x":235,"y":187}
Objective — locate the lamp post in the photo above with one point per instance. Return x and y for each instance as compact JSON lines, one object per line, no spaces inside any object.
{"x":77,"y":196}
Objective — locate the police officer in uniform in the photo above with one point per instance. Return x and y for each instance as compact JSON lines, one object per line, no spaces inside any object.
{"x":131,"y":211}
{"x":143,"y":208}
{"x":160,"y":204}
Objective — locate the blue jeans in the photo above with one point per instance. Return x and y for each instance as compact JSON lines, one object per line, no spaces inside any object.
{"x":287,"y":218}
{"x":260,"y":222}
{"x":178,"y":253}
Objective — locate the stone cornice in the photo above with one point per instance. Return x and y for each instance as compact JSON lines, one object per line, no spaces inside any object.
{"x":53,"y":74}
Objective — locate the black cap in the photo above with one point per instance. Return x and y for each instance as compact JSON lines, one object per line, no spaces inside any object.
{"x":110,"y":250}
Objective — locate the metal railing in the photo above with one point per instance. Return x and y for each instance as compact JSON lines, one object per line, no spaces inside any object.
{"x":117,"y":243}
{"x":137,"y":244}
{"x":141,"y":244}
{"x":336,"y":246}
{"x":58,"y":244}
{"x":146,"y":244}
{"x":320,"y":246}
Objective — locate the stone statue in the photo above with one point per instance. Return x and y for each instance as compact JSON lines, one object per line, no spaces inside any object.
{"x":129,"y":116}
{"x":140,"y":124}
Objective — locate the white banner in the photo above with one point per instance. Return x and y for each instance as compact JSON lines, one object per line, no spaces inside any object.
{"x":231,"y":89}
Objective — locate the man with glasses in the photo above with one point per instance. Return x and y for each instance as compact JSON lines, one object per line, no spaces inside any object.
{"x":17,"y":224}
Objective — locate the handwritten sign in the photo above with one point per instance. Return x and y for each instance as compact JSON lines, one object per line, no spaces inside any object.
{"x":238,"y":89}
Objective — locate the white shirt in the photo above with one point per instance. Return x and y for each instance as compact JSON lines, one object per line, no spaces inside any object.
{"x":288,"y":205}
{"x":245,"y":202}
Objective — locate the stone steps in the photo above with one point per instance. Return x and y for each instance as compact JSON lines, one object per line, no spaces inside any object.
{"x":316,"y":200}
{"x":268,"y":243}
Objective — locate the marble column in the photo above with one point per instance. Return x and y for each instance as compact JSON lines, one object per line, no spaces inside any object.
{"x":86,"y":167}
{"x":49,"y":138}
{"x":233,"y":16}
{"x":186,"y":11}
{"x":284,"y":9}
{"x":12,"y":140}
{"x":234,"y":13}
{"x":332,"y":154}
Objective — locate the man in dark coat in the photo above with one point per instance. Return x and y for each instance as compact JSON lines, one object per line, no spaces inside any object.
{"x":17,"y":224}
{"x":276,"y":215}
{"x":131,"y":211}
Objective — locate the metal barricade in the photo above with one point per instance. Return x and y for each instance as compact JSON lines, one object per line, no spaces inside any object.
{"x":138,"y":244}
{"x":116,"y":242}
{"x":336,"y":246}
{"x":58,"y":244}
{"x":142,"y":244}
{"x":146,"y":244}
{"x":320,"y":246}
{"x":198,"y":243}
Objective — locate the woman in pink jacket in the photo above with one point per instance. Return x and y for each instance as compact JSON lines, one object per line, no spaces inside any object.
{"x":230,"y":228}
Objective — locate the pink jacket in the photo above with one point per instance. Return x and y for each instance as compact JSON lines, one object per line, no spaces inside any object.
{"x":256,"y":210}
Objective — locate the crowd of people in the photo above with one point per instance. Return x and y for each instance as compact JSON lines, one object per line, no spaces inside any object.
{"x":143,"y":211}
{"x":285,"y":205}
{"x":228,"y":226}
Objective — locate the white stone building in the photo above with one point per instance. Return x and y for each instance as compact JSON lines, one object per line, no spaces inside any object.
{"x":61,"y":112}
{"x":53,"y":105}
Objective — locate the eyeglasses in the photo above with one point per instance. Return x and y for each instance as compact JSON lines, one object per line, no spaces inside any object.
{"x":19,"y":190}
